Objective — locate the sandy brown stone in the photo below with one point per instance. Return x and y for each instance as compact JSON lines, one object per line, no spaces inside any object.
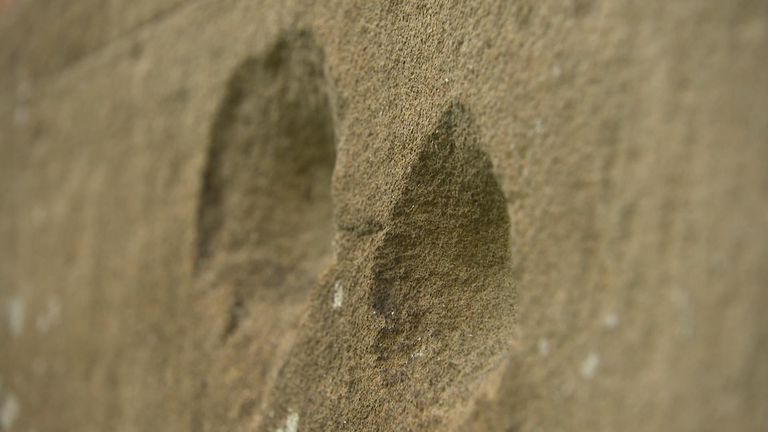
{"x":386,"y":216}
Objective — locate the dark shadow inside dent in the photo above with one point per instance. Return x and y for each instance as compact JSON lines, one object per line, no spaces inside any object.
{"x":265,"y":217}
{"x":443,"y":264}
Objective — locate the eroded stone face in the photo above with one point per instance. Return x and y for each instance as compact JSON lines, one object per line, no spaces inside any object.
{"x":431,"y":299}
{"x":426,"y":294}
{"x":628,"y":138}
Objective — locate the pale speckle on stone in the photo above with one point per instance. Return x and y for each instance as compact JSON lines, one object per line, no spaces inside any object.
{"x":752,"y":32}
{"x":685,"y":322}
{"x":38,"y":215}
{"x":21,"y":112}
{"x":338,"y":295}
{"x":418,"y":353}
{"x":589,"y":365}
{"x":543,"y":347}
{"x":39,"y":366}
{"x":567,"y":389}
{"x":16,"y":309}
{"x":50,"y":317}
{"x":24,"y":91}
{"x":9,"y":412}
{"x":556,"y":72}
{"x":291,"y":423}
{"x":611,"y":321}
{"x":21,"y":116}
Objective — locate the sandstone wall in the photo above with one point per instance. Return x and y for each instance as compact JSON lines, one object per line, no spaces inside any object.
{"x":349,"y":215}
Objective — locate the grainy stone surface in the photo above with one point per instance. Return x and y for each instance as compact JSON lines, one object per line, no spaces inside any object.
{"x":298,"y":216}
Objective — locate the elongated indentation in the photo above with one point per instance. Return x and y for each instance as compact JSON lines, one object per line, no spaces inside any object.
{"x":265,"y":222}
{"x":446,"y":247}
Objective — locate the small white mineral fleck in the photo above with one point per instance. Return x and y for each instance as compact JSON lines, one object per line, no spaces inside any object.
{"x":556,"y":72}
{"x":543,"y":346}
{"x":16,"y":309}
{"x":291,"y":423}
{"x":50,"y":317}
{"x":338,"y":295}
{"x":611,"y":321}
{"x":9,"y":412}
{"x":589,"y":365}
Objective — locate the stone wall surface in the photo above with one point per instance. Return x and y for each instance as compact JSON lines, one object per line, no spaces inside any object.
{"x":408,"y":216}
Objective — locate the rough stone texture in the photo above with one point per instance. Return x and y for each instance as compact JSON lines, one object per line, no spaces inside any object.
{"x":439,"y":215}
